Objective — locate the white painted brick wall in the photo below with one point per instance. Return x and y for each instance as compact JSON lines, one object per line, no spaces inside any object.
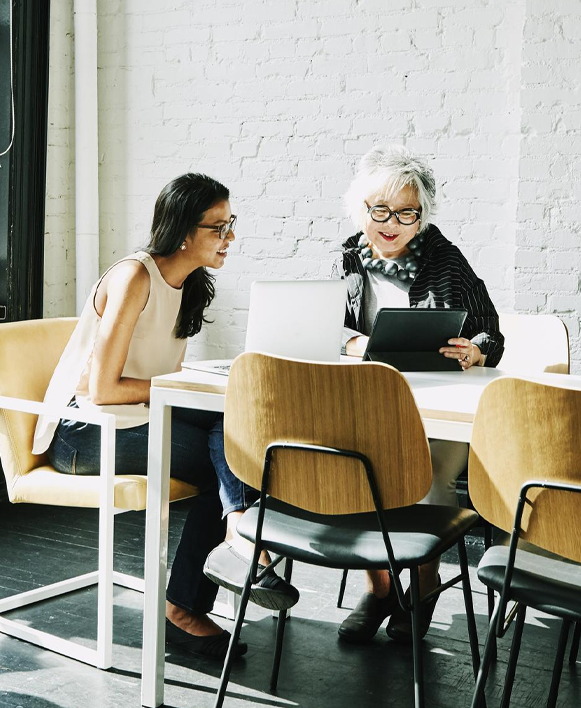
{"x":549,"y":221}
{"x":280,"y":100}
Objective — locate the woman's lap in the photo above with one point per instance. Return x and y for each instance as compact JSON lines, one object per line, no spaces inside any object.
{"x":76,"y":448}
{"x":197,"y":454}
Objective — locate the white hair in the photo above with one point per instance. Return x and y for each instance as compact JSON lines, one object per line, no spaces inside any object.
{"x":382,"y":173}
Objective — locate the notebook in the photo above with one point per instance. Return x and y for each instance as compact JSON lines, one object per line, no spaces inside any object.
{"x":299,"y":319}
{"x":409,"y":338}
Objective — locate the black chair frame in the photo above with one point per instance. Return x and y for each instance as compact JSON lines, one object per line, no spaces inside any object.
{"x":487,"y":528}
{"x":413,"y":607}
{"x":501,"y":621}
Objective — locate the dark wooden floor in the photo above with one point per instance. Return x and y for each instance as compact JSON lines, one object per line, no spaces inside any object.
{"x":44,"y":544}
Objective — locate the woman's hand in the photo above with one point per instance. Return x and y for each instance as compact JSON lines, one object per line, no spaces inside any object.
{"x":468,"y":354}
{"x":356,"y":346}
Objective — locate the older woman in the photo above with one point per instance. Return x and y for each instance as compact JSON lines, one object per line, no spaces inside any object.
{"x":399,"y":259}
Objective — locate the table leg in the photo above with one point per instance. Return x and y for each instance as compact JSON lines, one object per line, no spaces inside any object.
{"x":156,"y":530}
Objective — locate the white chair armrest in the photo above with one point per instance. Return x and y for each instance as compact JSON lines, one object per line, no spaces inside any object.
{"x":23,"y":405}
{"x":106,"y":421}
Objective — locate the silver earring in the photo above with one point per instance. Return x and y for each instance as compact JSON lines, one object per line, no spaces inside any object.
{"x":183,"y":246}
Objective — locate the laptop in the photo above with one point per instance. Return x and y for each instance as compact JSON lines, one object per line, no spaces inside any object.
{"x":299,"y":319}
{"x":409,"y":338}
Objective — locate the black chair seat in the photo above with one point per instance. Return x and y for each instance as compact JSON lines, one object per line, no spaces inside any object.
{"x":541,"y":580}
{"x":419,"y":533}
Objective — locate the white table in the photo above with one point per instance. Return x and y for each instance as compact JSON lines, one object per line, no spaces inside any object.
{"x":447,"y":403}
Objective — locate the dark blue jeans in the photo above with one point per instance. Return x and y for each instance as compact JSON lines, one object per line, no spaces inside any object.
{"x":197,"y":457}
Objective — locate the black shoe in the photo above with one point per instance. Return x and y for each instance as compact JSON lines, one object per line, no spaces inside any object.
{"x":362,"y":624}
{"x":400,"y":623}
{"x":214,"y":646}
{"x":225,"y":567}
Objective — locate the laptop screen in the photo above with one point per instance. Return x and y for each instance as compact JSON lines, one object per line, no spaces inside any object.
{"x":299,"y":319}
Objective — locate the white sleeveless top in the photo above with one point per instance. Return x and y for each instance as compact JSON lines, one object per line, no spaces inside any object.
{"x":153,"y":351}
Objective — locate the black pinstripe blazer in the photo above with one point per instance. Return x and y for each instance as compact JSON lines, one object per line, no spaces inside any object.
{"x":444,"y":279}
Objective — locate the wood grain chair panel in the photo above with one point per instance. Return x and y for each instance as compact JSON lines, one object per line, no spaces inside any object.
{"x":525,"y":431}
{"x":266,"y":401}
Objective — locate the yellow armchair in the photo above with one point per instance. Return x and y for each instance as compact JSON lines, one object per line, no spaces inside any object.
{"x":29,"y":353}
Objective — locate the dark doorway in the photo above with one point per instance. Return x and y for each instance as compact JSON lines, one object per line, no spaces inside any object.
{"x":24,"y":42}
{"x":23,"y":126}
{"x":5,"y":147}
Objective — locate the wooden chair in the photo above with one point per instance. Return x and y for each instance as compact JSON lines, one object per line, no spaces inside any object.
{"x":29,"y":352}
{"x":534,"y":344}
{"x":524,"y":456}
{"x":320,"y":443}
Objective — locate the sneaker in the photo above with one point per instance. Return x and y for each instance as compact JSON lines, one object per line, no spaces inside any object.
{"x":227,"y":568}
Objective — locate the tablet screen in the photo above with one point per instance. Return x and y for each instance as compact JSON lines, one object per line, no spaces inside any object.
{"x":414,"y":330}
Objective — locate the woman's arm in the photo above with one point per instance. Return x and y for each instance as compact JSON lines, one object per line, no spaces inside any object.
{"x":119,"y":300}
{"x":481,"y":342}
{"x":353,"y":342}
{"x":481,"y":324}
{"x":451,"y":274}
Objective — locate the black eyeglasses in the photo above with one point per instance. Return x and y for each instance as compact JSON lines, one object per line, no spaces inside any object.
{"x":223,"y":230}
{"x":381,"y":214}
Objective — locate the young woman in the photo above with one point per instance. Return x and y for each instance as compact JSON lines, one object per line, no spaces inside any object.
{"x":399,"y":259}
{"x":133,"y":327}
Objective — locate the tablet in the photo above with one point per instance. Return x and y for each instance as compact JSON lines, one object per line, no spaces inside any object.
{"x":409,"y":338}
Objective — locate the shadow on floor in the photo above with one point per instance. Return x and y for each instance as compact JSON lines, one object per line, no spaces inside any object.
{"x":8,"y":699}
{"x":317,"y":670}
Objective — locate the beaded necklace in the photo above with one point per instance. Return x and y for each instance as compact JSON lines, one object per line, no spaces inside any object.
{"x":407,"y":272}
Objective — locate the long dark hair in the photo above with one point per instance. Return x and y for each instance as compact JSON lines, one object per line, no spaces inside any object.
{"x":179,"y":208}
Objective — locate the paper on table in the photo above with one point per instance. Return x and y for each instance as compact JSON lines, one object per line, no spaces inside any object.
{"x":212,"y":366}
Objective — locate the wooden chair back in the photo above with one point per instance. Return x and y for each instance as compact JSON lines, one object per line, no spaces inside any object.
{"x":29,"y":353}
{"x":528,"y":431}
{"x":368,"y":408}
{"x":534,"y":344}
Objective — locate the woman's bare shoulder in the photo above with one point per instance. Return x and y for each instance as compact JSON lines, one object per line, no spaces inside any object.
{"x":128,"y":274}
{"x":127,"y":281}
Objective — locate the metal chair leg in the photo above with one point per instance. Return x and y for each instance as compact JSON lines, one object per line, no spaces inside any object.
{"x":487,"y":545}
{"x":233,"y":642}
{"x":558,"y":666}
{"x":489,"y":591}
{"x":513,"y":657}
{"x":416,"y":639}
{"x":575,"y":643}
{"x":489,"y":648}
{"x":470,"y":619}
{"x":282,"y":615}
{"x":342,"y":587}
